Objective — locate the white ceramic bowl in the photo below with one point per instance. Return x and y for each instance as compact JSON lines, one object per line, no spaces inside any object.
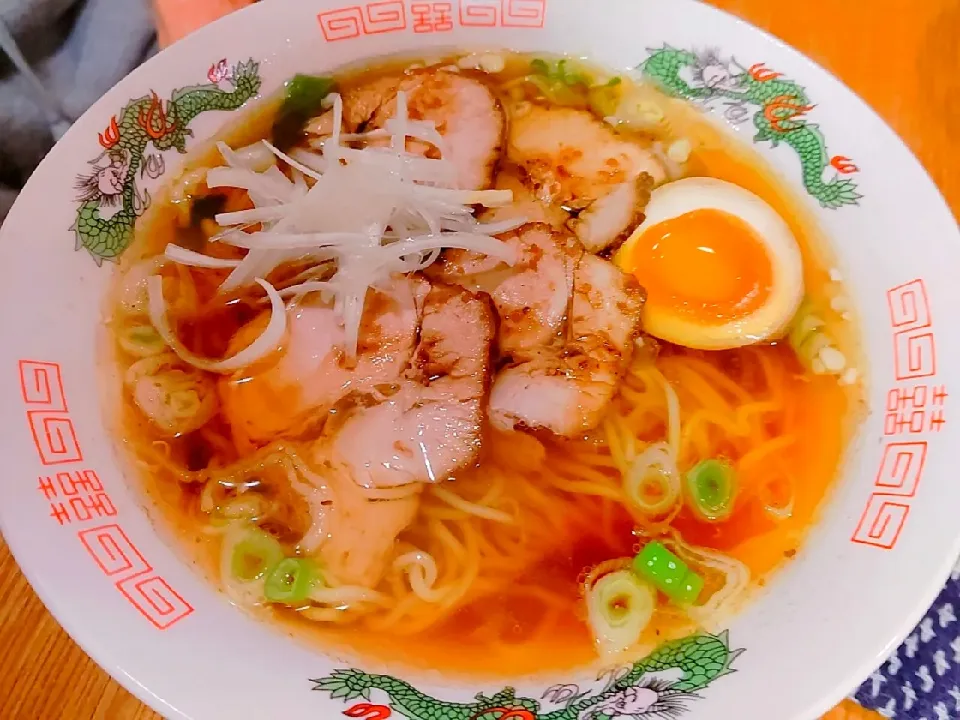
{"x":876,"y":560}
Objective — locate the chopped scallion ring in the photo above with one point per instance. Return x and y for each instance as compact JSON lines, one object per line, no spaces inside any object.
{"x":290,"y":581}
{"x":652,"y":488}
{"x":619,"y":608}
{"x":668,"y":573}
{"x":711,"y":487}
{"x":254,"y":555}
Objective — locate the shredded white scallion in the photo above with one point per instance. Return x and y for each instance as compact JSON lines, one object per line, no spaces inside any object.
{"x":310,"y":286}
{"x":265,"y":214}
{"x":293,"y":241}
{"x":183,"y":256}
{"x":267,"y":342}
{"x":290,"y":161}
{"x":266,"y":184}
{"x":253,"y":157}
{"x":374,"y":209}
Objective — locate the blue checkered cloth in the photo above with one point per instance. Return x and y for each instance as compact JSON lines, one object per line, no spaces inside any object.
{"x":921,"y":680}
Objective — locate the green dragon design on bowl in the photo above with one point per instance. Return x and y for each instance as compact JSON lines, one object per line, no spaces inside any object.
{"x":778,"y":107}
{"x":660,"y":685}
{"x":110,"y":197}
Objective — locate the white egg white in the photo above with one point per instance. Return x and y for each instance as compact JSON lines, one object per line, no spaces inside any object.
{"x":768,"y":321}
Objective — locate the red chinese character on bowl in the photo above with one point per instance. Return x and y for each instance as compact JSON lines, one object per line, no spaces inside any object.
{"x":432,"y":17}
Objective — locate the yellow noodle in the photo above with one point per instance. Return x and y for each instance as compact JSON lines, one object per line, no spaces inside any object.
{"x":483,"y":532}
{"x":470,"y":508}
{"x":589,"y":488}
{"x":717,"y":379}
{"x":696,"y":386}
{"x":613,"y":442}
{"x":761,"y":452}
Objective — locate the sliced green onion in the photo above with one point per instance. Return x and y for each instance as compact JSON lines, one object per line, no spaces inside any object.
{"x":652,"y":484}
{"x":711,"y":489}
{"x":605,"y":99}
{"x":805,"y":324}
{"x":141,"y":340}
{"x":555,"y":91}
{"x":290,"y":582}
{"x":539,"y":66}
{"x":254,"y":555}
{"x":304,"y":93}
{"x":813,"y":346}
{"x":175,"y":397}
{"x":668,"y":573}
{"x":557,"y":83}
{"x":569,"y":78}
{"x":619,"y":608}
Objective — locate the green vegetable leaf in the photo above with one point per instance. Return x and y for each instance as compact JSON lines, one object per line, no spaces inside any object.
{"x":540,"y":67}
{"x":302,"y":99}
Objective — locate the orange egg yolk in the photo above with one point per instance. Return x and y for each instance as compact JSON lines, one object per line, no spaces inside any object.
{"x":706,"y":265}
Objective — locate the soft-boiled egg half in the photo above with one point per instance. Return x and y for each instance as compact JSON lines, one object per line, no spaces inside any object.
{"x":721,"y":268}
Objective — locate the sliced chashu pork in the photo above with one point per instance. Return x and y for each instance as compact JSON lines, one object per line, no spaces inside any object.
{"x":430,"y":426}
{"x":613,"y":216}
{"x":573,"y":159}
{"x":312,"y":374}
{"x":360,"y":529}
{"x":566,"y":386}
{"x":531,"y":297}
{"x":525,"y":205}
{"x":464,"y":110}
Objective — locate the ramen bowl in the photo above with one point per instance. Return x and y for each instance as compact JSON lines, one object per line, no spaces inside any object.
{"x":111,"y":568}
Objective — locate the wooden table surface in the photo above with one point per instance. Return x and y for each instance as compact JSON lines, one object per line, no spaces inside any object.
{"x":902,"y":57}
